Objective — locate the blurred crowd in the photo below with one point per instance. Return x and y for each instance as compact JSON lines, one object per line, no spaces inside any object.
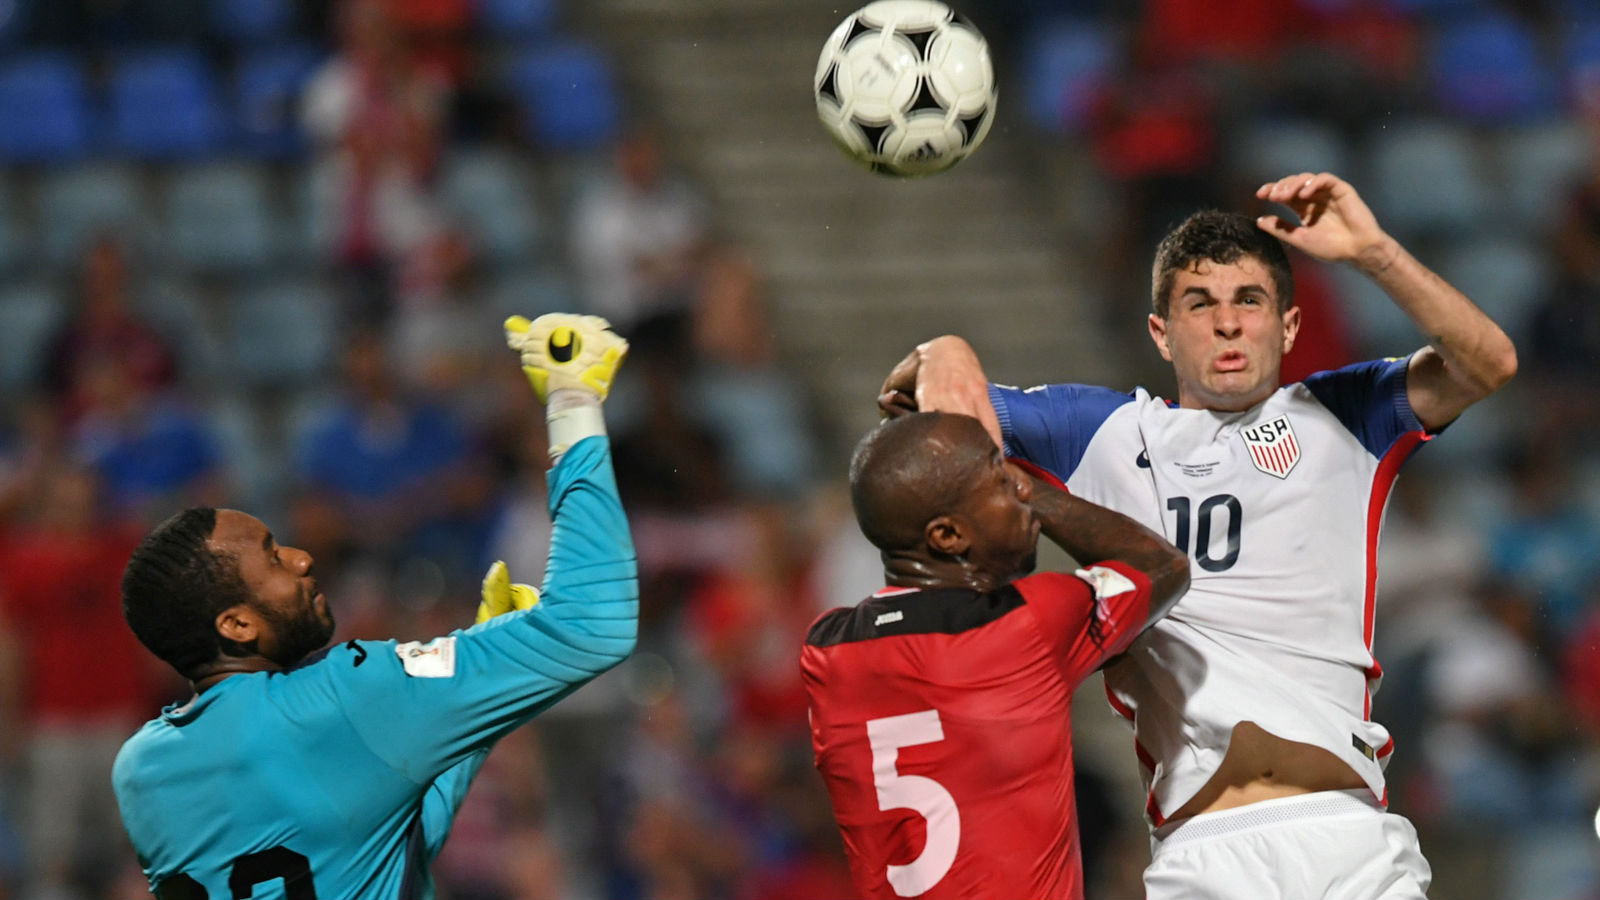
{"x":296,"y":310}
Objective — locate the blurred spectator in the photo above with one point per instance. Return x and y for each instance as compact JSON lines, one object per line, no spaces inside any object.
{"x":756,"y":409}
{"x":393,"y":476}
{"x":1548,"y":542}
{"x":378,"y":117}
{"x":635,"y":233}
{"x":87,"y":685}
{"x":102,"y":327}
{"x":154,"y":453}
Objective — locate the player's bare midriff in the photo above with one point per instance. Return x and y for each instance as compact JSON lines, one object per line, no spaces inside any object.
{"x":1262,"y":766}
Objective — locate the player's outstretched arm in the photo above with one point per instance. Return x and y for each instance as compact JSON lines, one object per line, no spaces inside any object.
{"x":1468,"y":356}
{"x":941,"y":375}
{"x":1093,"y":534}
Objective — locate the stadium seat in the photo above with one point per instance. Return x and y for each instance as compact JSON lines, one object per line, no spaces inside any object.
{"x":219,"y":218}
{"x":1271,"y":148}
{"x":1580,"y":60}
{"x":488,"y":192}
{"x":1381,"y":328}
{"x":175,"y":309}
{"x":164,"y":106}
{"x":266,"y":93}
{"x":1066,"y":65}
{"x":44,"y":109}
{"x":1488,"y":69}
{"x":281,"y":334}
{"x":1538,"y":168}
{"x":1426,"y":178}
{"x":76,"y":203}
{"x":517,"y":19}
{"x":1505,"y":276}
{"x":29,"y":315}
{"x":531,"y":292}
{"x":257,"y":474}
{"x":251,"y":21}
{"x":566,"y":95}
{"x":13,"y":243}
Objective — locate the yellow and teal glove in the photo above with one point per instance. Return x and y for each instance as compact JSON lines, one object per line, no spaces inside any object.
{"x":500,"y":596}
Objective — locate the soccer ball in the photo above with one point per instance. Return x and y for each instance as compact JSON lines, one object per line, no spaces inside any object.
{"x":906,"y":87}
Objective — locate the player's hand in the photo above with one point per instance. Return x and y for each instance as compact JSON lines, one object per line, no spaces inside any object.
{"x":898,"y":395}
{"x":500,"y":596}
{"x":563,"y":351}
{"x":1335,"y":223}
{"x":950,"y":379}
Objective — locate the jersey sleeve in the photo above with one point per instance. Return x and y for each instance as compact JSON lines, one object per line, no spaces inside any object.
{"x":424,"y":707}
{"x":1369,"y":398}
{"x":1050,"y":425}
{"x":1088,"y":616}
{"x":444,"y":797}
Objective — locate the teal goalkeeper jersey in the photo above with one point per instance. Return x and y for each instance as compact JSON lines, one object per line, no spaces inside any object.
{"x":339,"y":778}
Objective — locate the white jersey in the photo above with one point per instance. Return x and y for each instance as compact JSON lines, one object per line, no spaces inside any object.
{"x":1279,"y":509}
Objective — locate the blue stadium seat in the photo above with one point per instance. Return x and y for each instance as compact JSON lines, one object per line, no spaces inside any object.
{"x":164,"y":106}
{"x":251,"y":21}
{"x":566,"y":95}
{"x":1580,"y":60}
{"x":29,"y":315}
{"x":1066,"y":64}
{"x":519,"y":19}
{"x":256,"y":474}
{"x":266,"y":92}
{"x":282,"y":334}
{"x":1539,"y":168}
{"x":219,"y":217}
{"x":76,"y":203}
{"x":1270,"y":149}
{"x":1427,"y":179}
{"x":489,"y":193}
{"x":44,"y":109}
{"x":1489,"y":69}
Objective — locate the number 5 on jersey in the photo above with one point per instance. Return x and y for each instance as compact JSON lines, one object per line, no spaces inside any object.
{"x":915,"y":792}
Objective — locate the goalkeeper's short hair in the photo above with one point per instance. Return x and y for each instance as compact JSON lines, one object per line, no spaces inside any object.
{"x":174,"y":587}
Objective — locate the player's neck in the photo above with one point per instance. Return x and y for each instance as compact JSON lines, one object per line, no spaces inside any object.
{"x":920,"y":572}
{"x":213,"y":673}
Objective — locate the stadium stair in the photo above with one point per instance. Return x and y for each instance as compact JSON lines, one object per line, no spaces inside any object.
{"x":860,"y":267}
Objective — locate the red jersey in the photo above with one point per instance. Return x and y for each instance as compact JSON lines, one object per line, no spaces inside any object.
{"x":941,"y":721}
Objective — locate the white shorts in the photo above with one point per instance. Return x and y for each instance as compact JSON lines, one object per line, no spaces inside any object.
{"x":1337,"y":845}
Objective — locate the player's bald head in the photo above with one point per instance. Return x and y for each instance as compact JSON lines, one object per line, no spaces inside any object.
{"x":911,"y":469}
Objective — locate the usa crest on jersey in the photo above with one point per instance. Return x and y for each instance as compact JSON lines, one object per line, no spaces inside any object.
{"x":1272,"y":445}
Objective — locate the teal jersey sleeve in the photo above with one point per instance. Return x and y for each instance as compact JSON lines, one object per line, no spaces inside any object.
{"x":341,"y":777}
{"x":444,"y":797}
{"x":425,"y":707}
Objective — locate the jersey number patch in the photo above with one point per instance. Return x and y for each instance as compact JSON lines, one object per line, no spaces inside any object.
{"x":915,"y":792}
{"x":1203,"y":529}
{"x":248,"y":871}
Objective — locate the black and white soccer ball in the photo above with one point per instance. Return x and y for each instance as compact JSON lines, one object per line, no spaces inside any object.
{"x":906,"y":87}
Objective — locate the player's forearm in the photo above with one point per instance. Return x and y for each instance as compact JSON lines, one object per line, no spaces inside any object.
{"x":1477,"y":353}
{"x":1092,"y":533}
{"x":591,"y":585}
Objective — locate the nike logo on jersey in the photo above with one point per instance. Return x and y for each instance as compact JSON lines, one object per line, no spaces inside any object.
{"x":1143,"y":460}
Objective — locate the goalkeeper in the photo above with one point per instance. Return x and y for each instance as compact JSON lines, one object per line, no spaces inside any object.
{"x":338,"y":772}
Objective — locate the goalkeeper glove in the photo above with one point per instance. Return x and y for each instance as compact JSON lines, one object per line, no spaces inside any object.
{"x":562,"y":351}
{"x":500,"y":596}
{"x":570,"y":361}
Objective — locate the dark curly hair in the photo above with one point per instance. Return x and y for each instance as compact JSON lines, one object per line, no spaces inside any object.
{"x":1220,"y":237}
{"x":175,"y":586}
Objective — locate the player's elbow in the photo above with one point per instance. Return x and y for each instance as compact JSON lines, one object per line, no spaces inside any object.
{"x":1168,"y":582}
{"x":1503,"y":366}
